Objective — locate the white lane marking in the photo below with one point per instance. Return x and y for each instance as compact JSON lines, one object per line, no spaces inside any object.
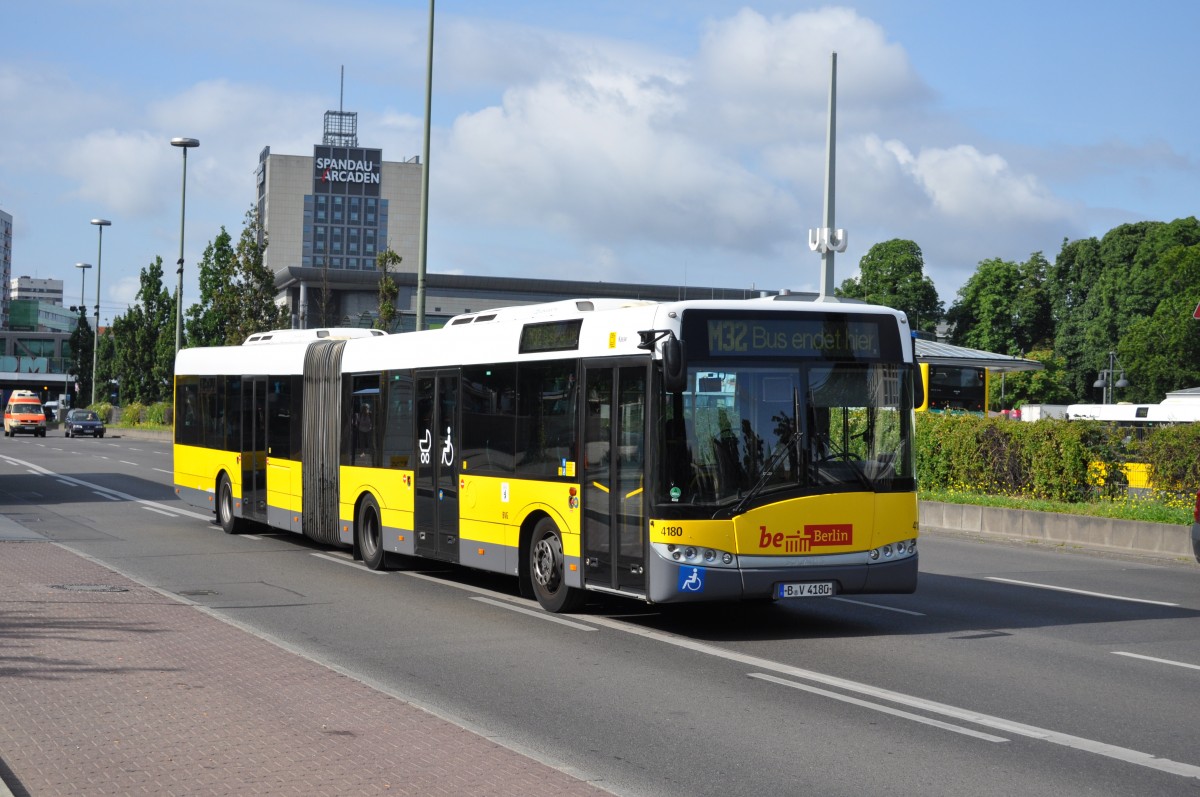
{"x":250,"y":536}
{"x":1007,"y":726}
{"x":127,"y":462}
{"x":168,"y":472}
{"x":350,"y":563}
{"x":1157,"y":661}
{"x":541,"y":615}
{"x":987,"y":737}
{"x":160,"y":511}
{"x":117,"y":494}
{"x":879,"y":606}
{"x":1079,"y":591}
{"x":100,"y":492}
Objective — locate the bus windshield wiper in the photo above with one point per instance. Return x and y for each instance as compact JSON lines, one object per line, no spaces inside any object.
{"x":768,"y":468}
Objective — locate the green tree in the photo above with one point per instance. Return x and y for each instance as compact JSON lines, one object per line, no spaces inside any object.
{"x":1047,"y":386}
{"x":1161,"y":351}
{"x":1004,"y":307}
{"x":209,"y":318}
{"x":389,"y":314}
{"x":144,"y":348}
{"x":892,"y":274}
{"x":1101,"y":289}
{"x":106,"y":365}
{"x":82,"y":343}
{"x":237,"y":290}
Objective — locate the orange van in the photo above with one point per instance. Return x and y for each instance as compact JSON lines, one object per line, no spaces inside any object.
{"x":24,"y":413}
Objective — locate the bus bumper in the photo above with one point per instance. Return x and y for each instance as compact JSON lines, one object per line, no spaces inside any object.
{"x":671,"y":582}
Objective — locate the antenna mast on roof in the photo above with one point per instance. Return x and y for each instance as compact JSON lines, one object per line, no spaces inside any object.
{"x":341,"y":128}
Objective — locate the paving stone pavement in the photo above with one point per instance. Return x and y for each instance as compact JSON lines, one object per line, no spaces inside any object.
{"x":111,"y":687}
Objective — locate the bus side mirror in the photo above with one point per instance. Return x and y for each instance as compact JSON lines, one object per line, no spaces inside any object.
{"x":674,"y":356}
{"x":919,"y":374}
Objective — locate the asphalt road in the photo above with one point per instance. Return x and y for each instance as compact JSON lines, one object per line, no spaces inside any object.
{"x":1012,"y":670}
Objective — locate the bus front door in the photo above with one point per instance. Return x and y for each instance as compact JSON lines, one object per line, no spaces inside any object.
{"x":436,"y":505}
{"x":614,"y":538}
{"x":254,"y":448}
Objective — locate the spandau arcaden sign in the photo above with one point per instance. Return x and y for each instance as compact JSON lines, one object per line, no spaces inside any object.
{"x":347,"y":170}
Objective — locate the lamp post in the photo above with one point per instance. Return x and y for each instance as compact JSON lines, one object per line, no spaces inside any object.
{"x":1105,"y":382}
{"x":82,"y":301}
{"x":83,"y":267}
{"x":185,"y":144}
{"x":100,"y":225}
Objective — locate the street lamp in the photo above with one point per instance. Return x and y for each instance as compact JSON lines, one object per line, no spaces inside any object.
{"x":100,"y":225}
{"x":1105,"y":382}
{"x":82,"y":302}
{"x":185,"y":144}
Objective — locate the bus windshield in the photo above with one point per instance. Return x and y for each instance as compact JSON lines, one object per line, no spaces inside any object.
{"x":761,"y":428}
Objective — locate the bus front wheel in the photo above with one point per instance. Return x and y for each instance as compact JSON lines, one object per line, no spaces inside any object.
{"x":230,"y":523}
{"x":547,"y":570}
{"x":369,"y":531}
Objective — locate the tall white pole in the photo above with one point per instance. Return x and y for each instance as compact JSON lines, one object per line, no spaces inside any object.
{"x":424,"y":231}
{"x":101,"y":224}
{"x":185,"y":144}
{"x":827,"y":239}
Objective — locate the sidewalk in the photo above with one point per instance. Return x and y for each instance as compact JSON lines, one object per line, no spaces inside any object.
{"x":111,"y":687}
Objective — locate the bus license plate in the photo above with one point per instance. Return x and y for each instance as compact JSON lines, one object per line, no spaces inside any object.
{"x":815,"y":589}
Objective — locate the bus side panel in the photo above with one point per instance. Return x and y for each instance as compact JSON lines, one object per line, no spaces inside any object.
{"x":196,"y":472}
{"x":492,"y":510}
{"x":392,"y":491}
{"x":283,"y":494}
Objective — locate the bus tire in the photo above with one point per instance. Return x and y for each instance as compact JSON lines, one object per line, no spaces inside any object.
{"x":230,"y":523}
{"x":547,"y":570}
{"x":368,"y":532}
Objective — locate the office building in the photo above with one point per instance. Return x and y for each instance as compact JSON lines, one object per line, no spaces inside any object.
{"x":48,"y":291}
{"x":6,"y":225}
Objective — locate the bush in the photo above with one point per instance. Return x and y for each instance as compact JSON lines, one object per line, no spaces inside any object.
{"x":1052,"y":460}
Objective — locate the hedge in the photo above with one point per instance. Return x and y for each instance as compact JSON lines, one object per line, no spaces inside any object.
{"x":1050,"y":459}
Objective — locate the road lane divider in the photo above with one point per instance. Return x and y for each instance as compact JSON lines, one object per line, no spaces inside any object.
{"x":1157,"y":660}
{"x":895,"y":712}
{"x":1077,"y":591}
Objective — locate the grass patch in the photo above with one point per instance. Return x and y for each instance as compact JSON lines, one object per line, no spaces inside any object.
{"x":1122,"y":509}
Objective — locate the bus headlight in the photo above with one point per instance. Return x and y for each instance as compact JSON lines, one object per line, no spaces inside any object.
{"x":895,"y":550}
{"x":694,"y":555}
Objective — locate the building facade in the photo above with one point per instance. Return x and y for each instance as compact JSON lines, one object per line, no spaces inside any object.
{"x":328,"y":216}
{"x":6,"y":225}
{"x":48,"y":291}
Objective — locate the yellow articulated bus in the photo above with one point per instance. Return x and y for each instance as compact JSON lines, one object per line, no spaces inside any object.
{"x":673,"y":452}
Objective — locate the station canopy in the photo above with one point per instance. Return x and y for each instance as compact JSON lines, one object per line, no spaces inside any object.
{"x":937,"y":353}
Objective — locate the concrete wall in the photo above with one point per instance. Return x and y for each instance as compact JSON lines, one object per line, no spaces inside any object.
{"x":1128,"y":536}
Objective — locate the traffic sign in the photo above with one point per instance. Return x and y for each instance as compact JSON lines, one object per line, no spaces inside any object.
{"x":1196,"y":312}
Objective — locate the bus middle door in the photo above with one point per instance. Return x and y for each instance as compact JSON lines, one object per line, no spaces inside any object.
{"x":614,"y":526}
{"x":254,"y":448}
{"x":437,"y":440}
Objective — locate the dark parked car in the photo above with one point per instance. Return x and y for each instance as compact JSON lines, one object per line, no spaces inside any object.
{"x":84,"y":422}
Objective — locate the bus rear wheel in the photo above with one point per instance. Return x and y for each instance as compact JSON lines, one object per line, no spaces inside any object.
{"x":369,"y":530}
{"x":230,"y":523}
{"x":547,"y":570}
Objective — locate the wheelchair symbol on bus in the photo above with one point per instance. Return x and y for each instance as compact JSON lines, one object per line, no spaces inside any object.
{"x":448,"y":450}
{"x":425,"y":444}
{"x":692,"y":581}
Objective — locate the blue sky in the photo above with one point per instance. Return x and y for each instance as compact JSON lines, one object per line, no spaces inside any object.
{"x":675,"y":142}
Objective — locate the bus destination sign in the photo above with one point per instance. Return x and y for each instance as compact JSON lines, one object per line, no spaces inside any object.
{"x":792,"y":337}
